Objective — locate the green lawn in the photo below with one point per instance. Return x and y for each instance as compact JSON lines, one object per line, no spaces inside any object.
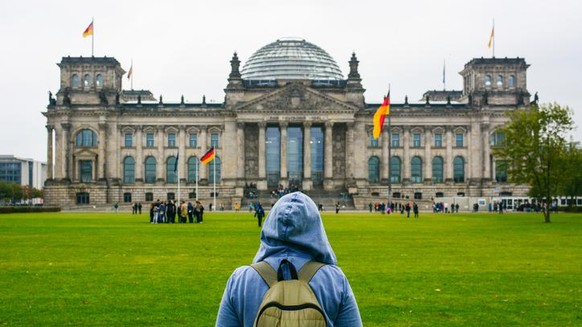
{"x":105,"y":269}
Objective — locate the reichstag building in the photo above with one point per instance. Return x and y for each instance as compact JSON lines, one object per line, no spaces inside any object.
{"x":289,"y":119}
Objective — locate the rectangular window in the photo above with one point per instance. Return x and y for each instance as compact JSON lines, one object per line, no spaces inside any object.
{"x":150,"y":140}
{"x":459,"y":140}
{"x":214,"y":140}
{"x":127,"y":197}
{"x":149,"y":197}
{"x":128,"y":140}
{"x":86,"y":171}
{"x":395,"y":140}
{"x":82,"y":198}
{"x":373,"y":142}
{"x":172,"y":140}
{"x":416,"y":140}
{"x":438,"y":140}
{"x":193,"y":140}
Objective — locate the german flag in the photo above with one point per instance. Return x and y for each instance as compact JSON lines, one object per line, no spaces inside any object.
{"x":89,"y":30}
{"x":208,"y":157}
{"x":380,"y":115}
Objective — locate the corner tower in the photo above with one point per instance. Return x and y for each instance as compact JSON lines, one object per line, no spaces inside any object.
{"x":89,"y":81}
{"x":495,"y":82}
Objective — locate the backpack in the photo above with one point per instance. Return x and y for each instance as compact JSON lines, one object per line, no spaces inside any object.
{"x":289,"y":303}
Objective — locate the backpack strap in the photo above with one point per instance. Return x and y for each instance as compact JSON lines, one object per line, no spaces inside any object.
{"x":308,"y":270}
{"x":267,"y":273}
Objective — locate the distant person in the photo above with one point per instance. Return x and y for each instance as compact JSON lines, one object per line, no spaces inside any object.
{"x":415,"y":209}
{"x":259,"y":213}
{"x":292,"y":236}
{"x":337,"y":207}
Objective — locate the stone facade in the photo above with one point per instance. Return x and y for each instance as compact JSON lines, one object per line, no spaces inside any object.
{"x":107,"y":150}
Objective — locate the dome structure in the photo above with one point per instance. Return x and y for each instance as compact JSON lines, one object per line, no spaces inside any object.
{"x":291,"y":58}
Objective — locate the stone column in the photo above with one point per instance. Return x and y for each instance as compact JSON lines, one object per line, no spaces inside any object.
{"x":307,"y":182}
{"x":262,"y":153}
{"x":427,"y":154}
{"x":405,"y":169}
{"x":449,"y":155}
{"x":240,"y":145}
{"x":59,"y":164}
{"x":283,"y":127}
{"x":139,"y":161}
{"x":161,"y":156}
{"x":49,"y":147}
{"x":349,"y":150}
{"x":102,"y":160}
{"x":486,"y":165}
{"x":67,"y":152}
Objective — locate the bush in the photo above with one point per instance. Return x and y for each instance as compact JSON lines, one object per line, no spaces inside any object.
{"x":25,"y":209}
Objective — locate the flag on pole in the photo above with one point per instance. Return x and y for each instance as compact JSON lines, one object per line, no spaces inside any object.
{"x":176,"y":163}
{"x":208,"y":157}
{"x":89,"y":30}
{"x":380,"y":115}
{"x":491,"y":37}
{"x":130,"y":72}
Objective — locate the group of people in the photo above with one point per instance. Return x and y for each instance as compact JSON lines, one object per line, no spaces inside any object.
{"x":165,"y":212}
{"x":443,"y":207}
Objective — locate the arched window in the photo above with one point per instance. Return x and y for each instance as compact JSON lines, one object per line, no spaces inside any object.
{"x":437,"y":169}
{"x":193,"y":169}
{"x":150,"y":170}
{"x":87,"y":80}
{"x":416,"y":170}
{"x":171,"y":170}
{"x":487,"y":80}
{"x":86,"y":138}
{"x":395,"y":169}
{"x":75,"y":80}
{"x":459,"y":169}
{"x":511,"y":82}
{"x":129,"y":170}
{"x":374,"y":170}
{"x":499,"y":80}
{"x":99,"y":80}
{"x":214,"y":172}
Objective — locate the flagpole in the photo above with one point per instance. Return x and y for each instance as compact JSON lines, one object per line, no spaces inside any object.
{"x":493,"y":38}
{"x":131,"y":68}
{"x":178,"y":172}
{"x":389,"y":159}
{"x":197,"y":177}
{"x":444,"y":80}
{"x":214,"y":180}
{"x":93,"y":38}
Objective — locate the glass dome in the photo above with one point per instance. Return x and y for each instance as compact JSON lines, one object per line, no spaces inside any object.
{"x":291,"y":58}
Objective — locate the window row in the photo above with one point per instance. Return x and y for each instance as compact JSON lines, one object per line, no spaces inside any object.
{"x":418,"y":140}
{"x":88,"y":80}
{"x":150,"y":165}
{"x":416,"y":171}
{"x":499,"y":80}
{"x":88,"y":138}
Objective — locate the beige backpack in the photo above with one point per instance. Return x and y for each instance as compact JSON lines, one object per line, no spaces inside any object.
{"x":289,"y":303}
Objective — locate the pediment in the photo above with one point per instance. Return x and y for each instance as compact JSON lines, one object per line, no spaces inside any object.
{"x":296,"y":97}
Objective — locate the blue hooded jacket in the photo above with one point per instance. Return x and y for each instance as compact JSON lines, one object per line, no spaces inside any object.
{"x":293,"y":230}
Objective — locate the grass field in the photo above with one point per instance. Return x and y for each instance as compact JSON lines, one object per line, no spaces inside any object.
{"x":105,"y":269}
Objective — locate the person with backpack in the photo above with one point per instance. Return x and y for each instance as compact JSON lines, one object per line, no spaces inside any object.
{"x":294,"y":257}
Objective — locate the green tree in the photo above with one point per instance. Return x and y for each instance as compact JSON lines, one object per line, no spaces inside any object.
{"x":535,"y":143}
{"x":570,"y":168}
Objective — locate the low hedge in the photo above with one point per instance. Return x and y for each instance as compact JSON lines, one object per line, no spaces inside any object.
{"x":24,"y":209}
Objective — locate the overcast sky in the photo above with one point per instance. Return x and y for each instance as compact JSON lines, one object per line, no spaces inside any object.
{"x":184,"y":47}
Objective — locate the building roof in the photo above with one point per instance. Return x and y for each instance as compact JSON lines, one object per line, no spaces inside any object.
{"x":291,"y":58}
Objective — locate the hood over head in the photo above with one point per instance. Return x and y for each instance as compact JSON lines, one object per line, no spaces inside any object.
{"x":294,"y":226}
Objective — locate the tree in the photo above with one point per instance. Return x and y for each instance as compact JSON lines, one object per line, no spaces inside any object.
{"x":535,"y":142}
{"x":570,"y":167}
